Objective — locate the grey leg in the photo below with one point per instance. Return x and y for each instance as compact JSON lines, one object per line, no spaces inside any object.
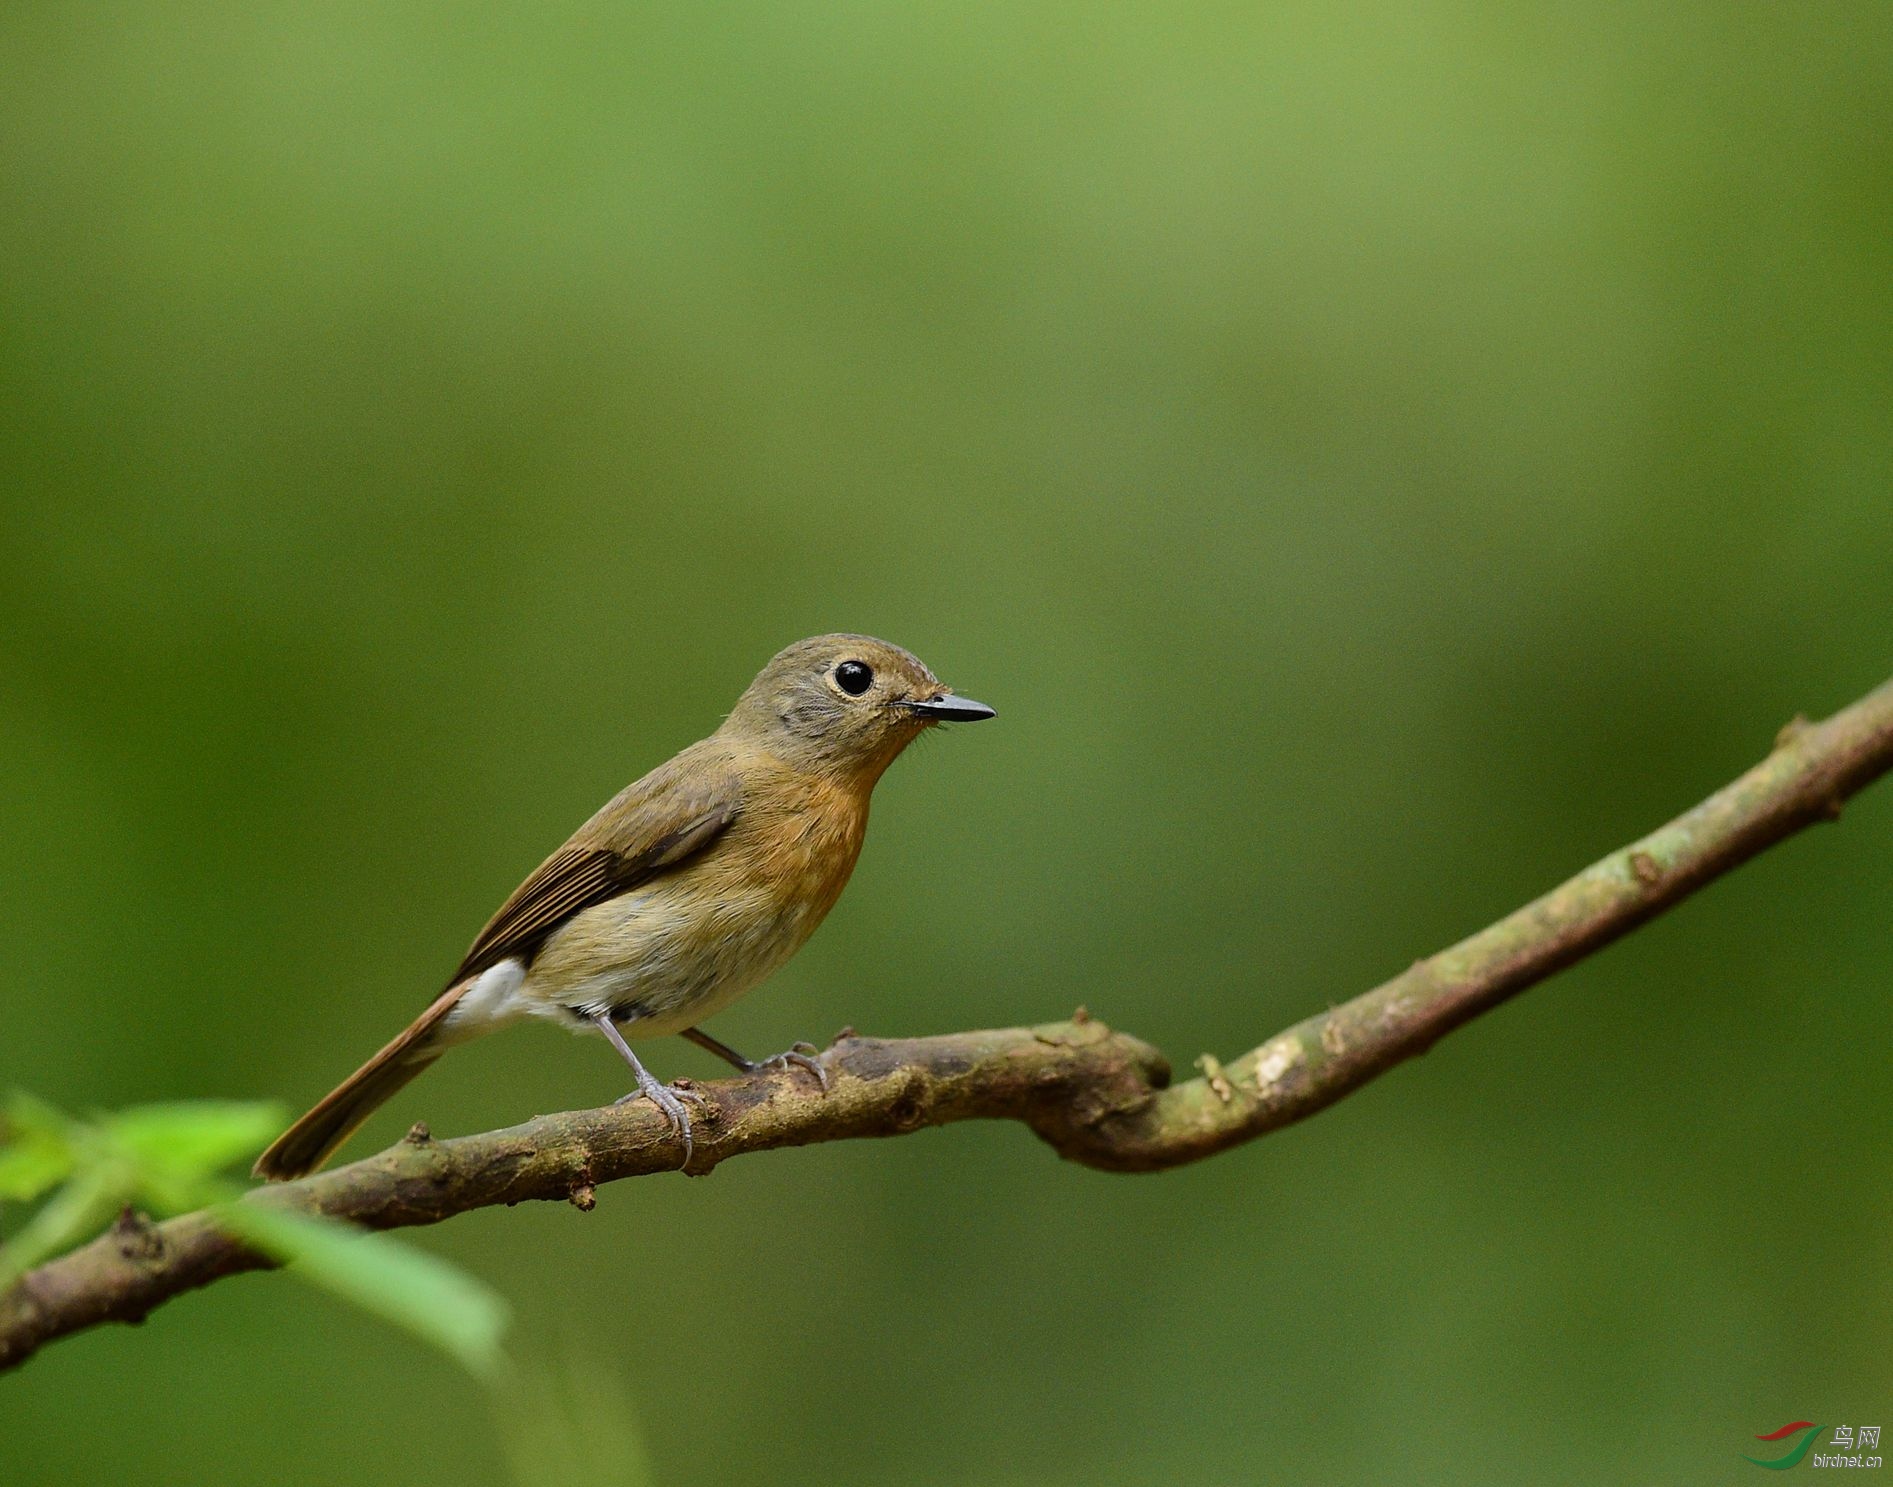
{"x":666,"y":1099}
{"x":802,"y":1056}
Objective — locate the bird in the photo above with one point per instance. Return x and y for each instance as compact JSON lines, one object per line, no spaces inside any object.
{"x":683,"y":892}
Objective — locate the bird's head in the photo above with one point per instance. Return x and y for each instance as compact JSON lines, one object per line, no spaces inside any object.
{"x":845,"y":704}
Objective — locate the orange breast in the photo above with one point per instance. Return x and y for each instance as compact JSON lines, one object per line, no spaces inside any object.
{"x":802,"y":839}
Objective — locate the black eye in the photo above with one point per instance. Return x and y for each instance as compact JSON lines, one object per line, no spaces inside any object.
{"x":854,"y":677}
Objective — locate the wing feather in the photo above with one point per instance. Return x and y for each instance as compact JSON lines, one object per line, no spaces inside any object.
{"x":650,"y":827}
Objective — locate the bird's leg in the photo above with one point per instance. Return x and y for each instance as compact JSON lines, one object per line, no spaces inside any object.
{"x":666,"y":1099}
{"x":801,"y":1056}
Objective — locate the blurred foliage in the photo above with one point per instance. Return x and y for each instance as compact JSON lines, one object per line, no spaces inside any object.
{"x":164,"y":1158}
{"x":574,"y":1419}
{"x":1376,"y":459}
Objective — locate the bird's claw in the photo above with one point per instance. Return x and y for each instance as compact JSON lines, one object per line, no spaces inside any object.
{"x":669,"y":1099}
{"x":799,"y":1056}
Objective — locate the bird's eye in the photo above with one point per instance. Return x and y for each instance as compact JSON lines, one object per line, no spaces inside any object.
{"x":854,"y":677}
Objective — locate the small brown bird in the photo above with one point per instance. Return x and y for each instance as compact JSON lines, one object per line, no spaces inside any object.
{"x":686,"y":890}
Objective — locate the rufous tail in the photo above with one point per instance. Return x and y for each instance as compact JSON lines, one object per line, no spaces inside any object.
{"x":307,"y":1144}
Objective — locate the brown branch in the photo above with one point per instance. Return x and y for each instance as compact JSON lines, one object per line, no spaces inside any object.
{"x":1098,"y":1097}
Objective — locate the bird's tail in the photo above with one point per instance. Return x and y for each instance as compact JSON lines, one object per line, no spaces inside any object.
{"x":307,"y":1144}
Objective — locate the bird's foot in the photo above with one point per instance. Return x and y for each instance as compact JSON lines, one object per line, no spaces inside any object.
{"x":800,"y":1056}
{"x":669,"y":1099}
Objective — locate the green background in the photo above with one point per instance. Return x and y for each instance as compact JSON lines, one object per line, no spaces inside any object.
{"x":1376,"y":459}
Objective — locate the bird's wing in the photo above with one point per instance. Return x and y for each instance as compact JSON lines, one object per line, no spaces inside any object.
{"x":663,"y":820}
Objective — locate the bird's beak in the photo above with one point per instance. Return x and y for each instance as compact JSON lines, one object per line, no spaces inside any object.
{"x":946,"y":708}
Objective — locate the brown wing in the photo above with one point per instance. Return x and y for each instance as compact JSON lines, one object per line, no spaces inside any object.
{"x":664,"y":819}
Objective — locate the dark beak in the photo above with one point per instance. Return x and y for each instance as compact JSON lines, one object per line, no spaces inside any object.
{"x":947,"y":708}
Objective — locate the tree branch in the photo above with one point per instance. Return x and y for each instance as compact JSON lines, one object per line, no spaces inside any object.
{"x":1098,"y":1097}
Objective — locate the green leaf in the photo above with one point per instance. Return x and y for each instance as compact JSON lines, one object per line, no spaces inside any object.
{"x":436,"y":1301}
{"x":31,"y":1115}
{"x":77,"y":1211}
{"x":31,"y":1162}
{"x":166,"y":1156}
{"x":192,"y":1138}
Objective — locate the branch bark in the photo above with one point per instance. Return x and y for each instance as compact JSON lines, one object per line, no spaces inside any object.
{"x":1098,"y":1097}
